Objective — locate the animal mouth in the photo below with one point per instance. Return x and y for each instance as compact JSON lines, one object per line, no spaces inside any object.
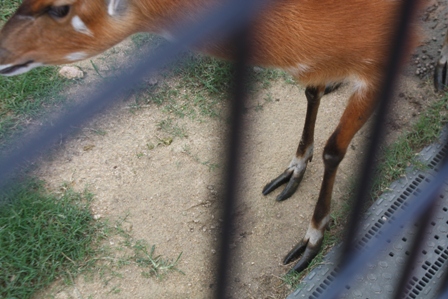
{"x":14,"y":68}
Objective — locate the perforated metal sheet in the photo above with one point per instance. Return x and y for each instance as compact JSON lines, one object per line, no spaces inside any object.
{"x":380,"y":277}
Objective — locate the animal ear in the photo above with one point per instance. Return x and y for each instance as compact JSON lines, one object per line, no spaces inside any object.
{"x":116,"y":7}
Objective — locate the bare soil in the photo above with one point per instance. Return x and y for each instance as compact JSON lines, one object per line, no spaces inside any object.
{"x":170,"y":193}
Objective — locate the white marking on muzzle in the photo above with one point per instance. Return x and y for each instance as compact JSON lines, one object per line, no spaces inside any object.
{"x":20,"y":70}
{"x":76,"y":56}
{"x":80,"y":26}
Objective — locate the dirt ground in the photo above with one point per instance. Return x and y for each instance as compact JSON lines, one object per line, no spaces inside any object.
{"x":170,"y":195}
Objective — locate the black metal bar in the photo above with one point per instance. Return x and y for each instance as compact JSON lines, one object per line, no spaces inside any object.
{"x":233,"y":171}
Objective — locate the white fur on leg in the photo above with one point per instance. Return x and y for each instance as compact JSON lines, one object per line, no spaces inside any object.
{"x":315,"y":234}
{"x":298,"y":164}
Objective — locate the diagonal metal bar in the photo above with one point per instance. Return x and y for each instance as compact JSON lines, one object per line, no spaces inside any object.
{"x":443,"y":294}
{"x":418,"y":243}
{"x":221,"y":21}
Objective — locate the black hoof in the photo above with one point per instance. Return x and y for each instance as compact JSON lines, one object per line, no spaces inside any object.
{"x":277,"y":182}
{"x":285,"y":177}
{"x":309,"y":253}
{"x":291,"y":188}
{"x":440,"y":77}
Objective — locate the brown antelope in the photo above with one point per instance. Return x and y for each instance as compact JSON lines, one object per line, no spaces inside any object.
{"x":441,"y":71}
{"x":319,"y":42}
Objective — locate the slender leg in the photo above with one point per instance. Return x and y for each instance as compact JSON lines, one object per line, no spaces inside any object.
{"x":358,"y":110}
{"x":293,"y":175}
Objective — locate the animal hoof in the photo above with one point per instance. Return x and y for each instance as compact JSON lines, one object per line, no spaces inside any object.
{"x":291,"y":176}
{"x":440,"y":76}
{"x":309,"y":253}
{"x":291,"y":188}
{"x":277,"y":182}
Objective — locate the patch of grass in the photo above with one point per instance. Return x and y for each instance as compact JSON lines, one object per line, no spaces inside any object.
{"x":24,"y":97}
{"x":170,"y":127}
{"x":153,"y":265}
{"x":211,"y":166}
{"x":7,"y":8}
{"x":199,"y":86}
{"x":135,"y":252}
{"x":144,"y":39}
{"x":43,"y":237}
{"x":402,"y":153}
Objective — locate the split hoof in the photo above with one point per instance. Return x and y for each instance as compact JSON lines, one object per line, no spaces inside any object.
{"x":286,"y":177}
{"x":307,"y":252}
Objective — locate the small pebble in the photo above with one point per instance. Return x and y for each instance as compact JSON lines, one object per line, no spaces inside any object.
{"x":71,"y":72}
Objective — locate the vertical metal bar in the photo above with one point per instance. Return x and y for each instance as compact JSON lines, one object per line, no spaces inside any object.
{"x":233,"y":158}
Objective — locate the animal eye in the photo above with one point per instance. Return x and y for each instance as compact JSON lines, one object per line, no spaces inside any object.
{"x":58,"y":12}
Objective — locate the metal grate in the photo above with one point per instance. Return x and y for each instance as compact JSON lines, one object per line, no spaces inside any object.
{"x":380,"y":277}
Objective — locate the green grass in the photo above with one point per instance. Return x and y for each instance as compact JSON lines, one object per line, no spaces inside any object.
{"x":152,"y":265}
{"x":25,"y":97}
{"x":43,"y":237}
{"x":198,"y":87}
{"x":7,"y":8}
{"x":402,"y":153}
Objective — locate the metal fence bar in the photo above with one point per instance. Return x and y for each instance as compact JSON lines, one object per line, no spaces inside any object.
{"x":233,"y":171}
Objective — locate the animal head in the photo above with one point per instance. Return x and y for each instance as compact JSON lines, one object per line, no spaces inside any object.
{"x":48,"y":32}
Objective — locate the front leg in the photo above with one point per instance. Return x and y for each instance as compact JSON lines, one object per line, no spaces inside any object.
{"x":293,"y":175}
